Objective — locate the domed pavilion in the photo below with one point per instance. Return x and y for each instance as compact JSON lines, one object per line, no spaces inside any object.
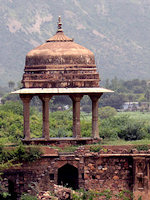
{"x":60,"y":67}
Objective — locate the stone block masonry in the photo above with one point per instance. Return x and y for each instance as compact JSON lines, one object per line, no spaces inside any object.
{"x":114,"y":170}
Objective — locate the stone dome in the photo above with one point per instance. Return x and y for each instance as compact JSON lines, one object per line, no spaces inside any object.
{"x":60,"y":62}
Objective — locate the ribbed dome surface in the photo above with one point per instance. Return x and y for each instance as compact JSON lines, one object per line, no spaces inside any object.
{"x":60,"y":50}
{"x":60,"y":62}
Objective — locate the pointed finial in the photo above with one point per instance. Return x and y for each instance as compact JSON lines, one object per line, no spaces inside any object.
{"x":59,"y":25}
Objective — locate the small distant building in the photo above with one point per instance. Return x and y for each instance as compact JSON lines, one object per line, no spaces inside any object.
{"x":130,"y":106}
{"x":133,"y":106}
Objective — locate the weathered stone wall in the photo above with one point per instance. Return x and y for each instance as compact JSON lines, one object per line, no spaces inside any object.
{"x":97,"y":171}
{"x":108,"y":172}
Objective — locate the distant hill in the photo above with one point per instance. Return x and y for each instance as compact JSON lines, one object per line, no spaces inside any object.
{"x":117,"y":31}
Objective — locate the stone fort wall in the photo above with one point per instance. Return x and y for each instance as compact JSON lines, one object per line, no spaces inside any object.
{"x":102,"y":170}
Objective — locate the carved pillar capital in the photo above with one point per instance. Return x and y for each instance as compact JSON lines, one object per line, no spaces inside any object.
{"x":76,"y":97}
{"x":26,"y":97}
{"x":95,"y":97}
{"x":45,"y":97}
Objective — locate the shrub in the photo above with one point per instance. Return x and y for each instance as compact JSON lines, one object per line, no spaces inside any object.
{"x":5,"y":196}
{"x":61,"y":124}
{"x":123,"y":127}
{"x":142,"y":147}
{"x":86,"y":128}
{"x":108,"y":130}
{"x":106,"y":112}
{"x":95,"y":148}
{"x":133,"y":130}
{"x":125,"y":195}
{"x":14,"y":107}
{"x":31,"y":153}
{"x":11,"y":125}
{"x":108,"y":133}
{"x":106,"y":194}
{"x":19,"y":154}
{"x":82,"y":194}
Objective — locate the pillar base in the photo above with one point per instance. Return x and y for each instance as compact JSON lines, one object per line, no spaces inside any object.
{"x":67,"y":141}
{"x":27,"y":139}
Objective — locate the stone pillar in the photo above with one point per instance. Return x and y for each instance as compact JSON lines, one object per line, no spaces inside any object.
{"x":76,"y":98}
{"x":95,"y":129}
{"x":26,"y":114}
{"x":45,"y":98}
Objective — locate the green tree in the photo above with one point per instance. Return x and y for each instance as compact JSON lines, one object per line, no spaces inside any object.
{"x":132,"y":130}
{"x":115,"y":100}
{"x":147,"y":96}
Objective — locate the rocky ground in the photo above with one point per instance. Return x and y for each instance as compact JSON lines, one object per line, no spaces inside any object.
{"x":60,"y":193}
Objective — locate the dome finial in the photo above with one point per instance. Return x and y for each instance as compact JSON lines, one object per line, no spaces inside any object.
{"x":59,"y":25}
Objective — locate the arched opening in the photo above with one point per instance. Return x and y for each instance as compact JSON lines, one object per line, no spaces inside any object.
{"x":11,"y":190}
{"x":68,"y":176}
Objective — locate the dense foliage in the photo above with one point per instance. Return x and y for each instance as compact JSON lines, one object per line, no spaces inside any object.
{"x":14,"y":157}
{"x":106,"y":112}
{"x":11,"y":156}
{"x":124,"y":127}
{"x":106,"y":195}
{"x":11,"y":122}
{"x":112,"y":125}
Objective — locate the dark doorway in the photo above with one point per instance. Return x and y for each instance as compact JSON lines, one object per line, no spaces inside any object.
{"x":68,"y":176}
{"x":11,"y":189}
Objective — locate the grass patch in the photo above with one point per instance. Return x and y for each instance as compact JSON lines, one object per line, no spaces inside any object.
{"x":123,"y":142}
{"x":95,"y":148}
{"x":70,"y":149}
{"x":65,"y":149}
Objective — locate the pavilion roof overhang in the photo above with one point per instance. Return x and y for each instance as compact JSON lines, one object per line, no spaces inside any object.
{"x":62,"y":91}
